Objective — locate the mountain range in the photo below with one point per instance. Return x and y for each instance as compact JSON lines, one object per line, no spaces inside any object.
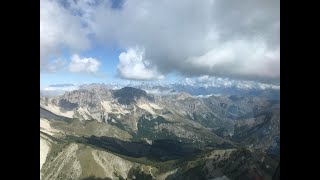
{"x":101,"y":132}
{"x":239,"y":89}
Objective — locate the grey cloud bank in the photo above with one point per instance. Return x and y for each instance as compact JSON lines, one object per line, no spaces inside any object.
{"x":238,"y":39}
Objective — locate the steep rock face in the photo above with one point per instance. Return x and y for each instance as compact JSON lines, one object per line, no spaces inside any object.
{"x":86,"y":101}
{"x":96,"y":103}
{"x":82,"y":104}
{"x":81,"y":97}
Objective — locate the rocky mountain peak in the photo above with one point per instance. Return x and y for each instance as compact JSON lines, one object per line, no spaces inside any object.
{"x":183,"y":96}
{"x":129,"y":95}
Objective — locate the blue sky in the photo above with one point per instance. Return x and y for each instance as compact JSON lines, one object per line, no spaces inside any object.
{"x":107,"y":73}
{"x":104,"y":41}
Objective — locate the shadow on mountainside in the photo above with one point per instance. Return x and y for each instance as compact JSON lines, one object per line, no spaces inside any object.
{"x":134,"y":173}
{"x":160,"y":150}
{"x":96,"y":178}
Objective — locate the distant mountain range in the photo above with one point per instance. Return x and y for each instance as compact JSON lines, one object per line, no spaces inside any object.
{"x":271,"y":92}
{"x":61,"y":85}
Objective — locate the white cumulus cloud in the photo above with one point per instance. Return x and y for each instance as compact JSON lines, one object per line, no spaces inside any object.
{"x":88,"y":65}
{"x":133,"y":65}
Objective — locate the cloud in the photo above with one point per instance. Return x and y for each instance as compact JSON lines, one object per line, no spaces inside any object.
{"x":210,"y":81}
{"x":238,"y":58}
{"x":88,"y":65}
{"x":236,"y":39}
{"x":60,"y":29}
{"x":228,"y":39}
{"x":133,"y":65}
{"x":53,"y":66}
{"x":62,"y":87}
